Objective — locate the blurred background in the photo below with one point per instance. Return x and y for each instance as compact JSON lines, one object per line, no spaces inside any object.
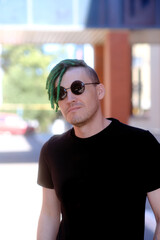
{"x":120,"y":39}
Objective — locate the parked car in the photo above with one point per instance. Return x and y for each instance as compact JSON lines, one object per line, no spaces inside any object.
{"x":14,"y":124}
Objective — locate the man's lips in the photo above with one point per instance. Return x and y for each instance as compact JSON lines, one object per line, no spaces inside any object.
{"x":72,"y":109}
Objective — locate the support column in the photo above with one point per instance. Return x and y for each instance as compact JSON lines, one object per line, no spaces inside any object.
{"x":98,"y":64}
{"x":117,"y":76}
{"x":98,"y":60}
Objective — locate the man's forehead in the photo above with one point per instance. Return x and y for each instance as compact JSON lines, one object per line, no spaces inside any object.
{"x":75,"y":70}
{"x":72,"y":74}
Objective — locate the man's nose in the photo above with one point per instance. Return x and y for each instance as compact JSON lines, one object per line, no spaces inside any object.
{"x":70,"y":96}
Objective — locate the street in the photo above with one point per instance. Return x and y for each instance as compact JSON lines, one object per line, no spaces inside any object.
{"x":20,"y":199}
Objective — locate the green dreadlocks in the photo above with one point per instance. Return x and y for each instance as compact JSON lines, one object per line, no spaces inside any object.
{"x":58,"y":72}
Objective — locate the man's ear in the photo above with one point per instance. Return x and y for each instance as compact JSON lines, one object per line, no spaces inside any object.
{"x":100,"y":91}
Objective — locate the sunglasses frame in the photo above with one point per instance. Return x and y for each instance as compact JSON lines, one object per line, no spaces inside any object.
{"x":72,"y":90}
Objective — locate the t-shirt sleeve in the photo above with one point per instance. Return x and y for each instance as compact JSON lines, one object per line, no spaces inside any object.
{"x":44,"y":170}
{"x":152,"y":161}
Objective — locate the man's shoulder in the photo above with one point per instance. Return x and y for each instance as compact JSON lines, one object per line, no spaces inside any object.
{"x":127,"y":130}
{"x":58,"y":139}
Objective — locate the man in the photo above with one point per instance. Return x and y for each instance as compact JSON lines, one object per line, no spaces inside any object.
{"x":98,"y":174}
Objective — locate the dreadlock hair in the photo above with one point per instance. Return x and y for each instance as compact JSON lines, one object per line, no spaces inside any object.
{"x":57,"y":73}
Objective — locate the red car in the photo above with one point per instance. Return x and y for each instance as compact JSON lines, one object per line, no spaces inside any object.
{"x":14,"y":124}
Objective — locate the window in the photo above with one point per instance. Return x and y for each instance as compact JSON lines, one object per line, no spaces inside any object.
{"x":141,"y":82}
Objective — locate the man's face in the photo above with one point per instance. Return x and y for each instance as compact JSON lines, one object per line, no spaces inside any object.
{"x":79,"y":109}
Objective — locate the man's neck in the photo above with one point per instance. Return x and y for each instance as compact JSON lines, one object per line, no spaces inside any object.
{"x":91,"y":128}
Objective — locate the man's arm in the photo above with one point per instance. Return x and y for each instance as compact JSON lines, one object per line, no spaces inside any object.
{"x":49,"y":219}
{"x":154,"y":199}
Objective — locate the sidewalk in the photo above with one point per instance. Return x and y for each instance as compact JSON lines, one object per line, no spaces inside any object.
{"x":20,"y":201}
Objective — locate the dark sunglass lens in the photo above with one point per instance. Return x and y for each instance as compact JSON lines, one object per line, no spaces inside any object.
{"x":77,"y":87}
{"x":62,"y":93}
{"x":55,"y":93}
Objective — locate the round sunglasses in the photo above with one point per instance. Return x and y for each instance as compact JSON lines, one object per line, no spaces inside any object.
{"x":77,"y":88}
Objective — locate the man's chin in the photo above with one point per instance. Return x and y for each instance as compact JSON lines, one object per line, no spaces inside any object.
{"x":75,"y":120}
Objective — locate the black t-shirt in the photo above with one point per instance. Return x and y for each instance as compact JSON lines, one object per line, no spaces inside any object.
{"x":101,"y":181}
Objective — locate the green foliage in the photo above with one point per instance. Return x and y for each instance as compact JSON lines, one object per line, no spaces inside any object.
{"x":25,"y":73}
